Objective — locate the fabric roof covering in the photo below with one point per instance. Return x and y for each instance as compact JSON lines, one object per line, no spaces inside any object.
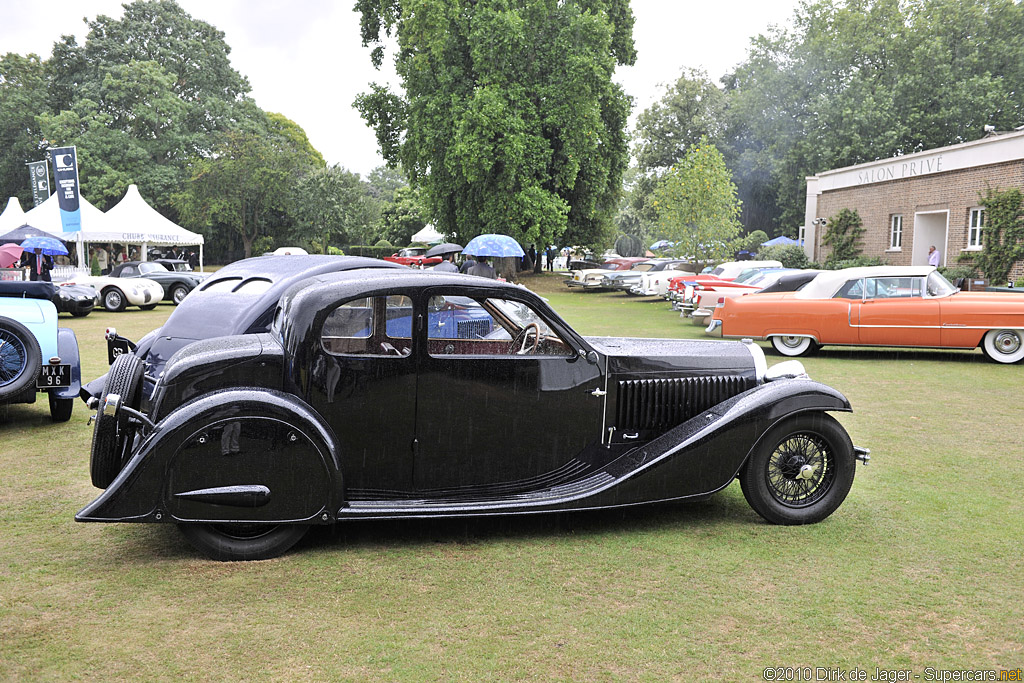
{"x":46,"y":217}
{"x":133,"y":221}
{"x":427,"y":235}
{"x":13,"y":217}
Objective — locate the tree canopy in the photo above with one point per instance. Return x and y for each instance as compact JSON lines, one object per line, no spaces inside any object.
{"x":510,"y":121}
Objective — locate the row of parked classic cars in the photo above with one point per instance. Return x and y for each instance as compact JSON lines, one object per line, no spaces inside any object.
{"x":799,"y":311}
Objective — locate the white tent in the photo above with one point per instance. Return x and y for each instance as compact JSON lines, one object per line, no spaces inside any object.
{"x":46,"y":217}
{"x":427,"y":235}
{"x":12,"y":217}
{"x":133,"y":221}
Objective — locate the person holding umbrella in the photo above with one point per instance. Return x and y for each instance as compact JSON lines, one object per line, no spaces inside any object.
{"x":38,"y":256}
{"x":447,"y":253}
{"x":482,"y":268}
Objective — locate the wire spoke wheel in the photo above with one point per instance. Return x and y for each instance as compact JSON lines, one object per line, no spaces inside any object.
{"x":800,"y":470}
{"x":13,"y":357}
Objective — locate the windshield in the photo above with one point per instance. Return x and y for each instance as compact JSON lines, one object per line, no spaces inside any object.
{"x":939,"y":285}
{"x":147,"y":268}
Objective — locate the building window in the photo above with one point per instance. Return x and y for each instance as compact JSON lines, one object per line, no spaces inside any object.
{"x":896,"y":232}
{"x":975,"y":225}
{"x":801,"y":234}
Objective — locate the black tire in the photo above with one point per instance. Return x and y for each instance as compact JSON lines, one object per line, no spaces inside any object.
{"x":147,"y":307}
{"x":111,"y":434}
{"x":178,"y":293}
{"x":231,"y":542}
{"x":20,"y":358}
{"x":774,"y":481}
{"x":114,"y":300}
{"x":60,"y":408}
{"x":80,"y":314}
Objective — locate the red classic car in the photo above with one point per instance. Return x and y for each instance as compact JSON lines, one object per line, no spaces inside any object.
{"x":878,"y":306}
{"x":415,"y":257}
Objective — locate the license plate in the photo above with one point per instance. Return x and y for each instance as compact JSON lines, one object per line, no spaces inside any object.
{"x":54,"y":376}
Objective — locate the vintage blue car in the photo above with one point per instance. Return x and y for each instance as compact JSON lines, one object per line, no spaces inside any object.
{"x":378,"y":393}
{"x":35,"y":354}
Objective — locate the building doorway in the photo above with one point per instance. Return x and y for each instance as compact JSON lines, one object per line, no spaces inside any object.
{"x":930,"y":228}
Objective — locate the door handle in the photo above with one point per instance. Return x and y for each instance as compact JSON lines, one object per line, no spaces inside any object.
{"x":598,"y":392}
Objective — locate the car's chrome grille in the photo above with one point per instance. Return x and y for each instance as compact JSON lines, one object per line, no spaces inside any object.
{"x":664,"y":403}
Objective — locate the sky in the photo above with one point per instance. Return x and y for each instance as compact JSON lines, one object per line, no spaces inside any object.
{"x":307,"y":62}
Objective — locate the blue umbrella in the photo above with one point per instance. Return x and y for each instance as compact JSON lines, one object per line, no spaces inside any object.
{"x":493,"y":245}
{"x":51,"y":246}
{"x":660,"y":244}
{"x":783,"y":240}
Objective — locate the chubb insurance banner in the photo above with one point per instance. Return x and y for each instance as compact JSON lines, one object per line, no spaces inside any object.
{"x":39,"y":173}
{"x":65,"y":177}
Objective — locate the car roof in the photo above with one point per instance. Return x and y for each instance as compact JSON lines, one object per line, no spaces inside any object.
{"x":240,"y":293}
{"x":27,"y":290}
{"x":828,"y":282}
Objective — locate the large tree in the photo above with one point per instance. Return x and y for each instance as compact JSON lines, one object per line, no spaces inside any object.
{"x":510,"y":121}
{"x":332,"y":207}
{"x":246,"y":184}
{"x":697,"y":207}
{"x":858,"y":80}
{"x":141,"y":98}
{"x":22,"y":96}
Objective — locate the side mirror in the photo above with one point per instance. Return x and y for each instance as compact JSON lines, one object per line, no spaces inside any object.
{"x":592,"y":358}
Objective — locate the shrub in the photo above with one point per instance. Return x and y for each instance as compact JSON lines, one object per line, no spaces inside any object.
{"x":790,"y":255}
{"x":856,"y":262}
{"x":384,"y":243}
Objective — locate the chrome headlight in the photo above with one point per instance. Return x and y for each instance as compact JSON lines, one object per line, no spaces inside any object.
{"x":787,"y":369}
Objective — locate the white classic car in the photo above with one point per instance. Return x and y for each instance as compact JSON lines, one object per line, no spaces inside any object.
{"x":116,"y":293}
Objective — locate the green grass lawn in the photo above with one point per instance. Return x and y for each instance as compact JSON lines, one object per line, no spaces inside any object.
{"x":921,"y":567}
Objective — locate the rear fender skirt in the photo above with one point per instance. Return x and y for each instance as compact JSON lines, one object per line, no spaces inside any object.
{"x":705,"y":453}
{"x":67,"y":349}
{"x":242,"y":455}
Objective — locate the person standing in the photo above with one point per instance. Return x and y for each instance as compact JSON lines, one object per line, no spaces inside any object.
{"x":482,"y":268}
{"x":447,"y":264}
{"x":934,"y":256}
{"x":467,"y":264}
{"x":39,"y":265}
{"x":101,"y":260}
{"x":550,"y":253}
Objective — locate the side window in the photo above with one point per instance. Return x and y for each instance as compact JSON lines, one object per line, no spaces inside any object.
{"x":129,"y":271}
{"x":854,"y":289}
{"x":369,"y":326}
{"x":896,"y":287}
{"x":458,"y":325}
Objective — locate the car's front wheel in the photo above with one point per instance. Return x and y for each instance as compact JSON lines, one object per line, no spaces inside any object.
{"x":1004,"y":346}
{"x":147,"y":307}
{"x":801,"y":470}
{"x":791,"y":345}
{"x":234,"y":542}
{"x":19,"y":358}
{"x":113,"y":300}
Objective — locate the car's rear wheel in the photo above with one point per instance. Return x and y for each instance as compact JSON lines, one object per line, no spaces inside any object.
{"x":112,"y":435}
{"x":243,"y":541}
{"x":792,"y":345}
{"x":801,"y":470}
{"x":19,"y":358}
{"x":1004,"y":346}
{"x":178,"y":294}
{"x":60,"y":408}
{"x":113,"y":300}
{"x":80,"y":313}
{"x":147,"y":307}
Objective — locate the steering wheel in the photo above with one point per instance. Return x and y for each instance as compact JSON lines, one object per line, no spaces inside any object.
{"x":522,"y":340}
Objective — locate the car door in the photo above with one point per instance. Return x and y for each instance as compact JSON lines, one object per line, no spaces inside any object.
{"x":490,"y":420}
{"x":363,"y":381}
{"x":893,"y":312}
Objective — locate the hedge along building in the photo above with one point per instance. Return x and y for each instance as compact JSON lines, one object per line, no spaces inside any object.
{"x":909,"y":203}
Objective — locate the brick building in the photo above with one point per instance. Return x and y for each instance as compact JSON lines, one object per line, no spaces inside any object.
{"x":911,"y":202}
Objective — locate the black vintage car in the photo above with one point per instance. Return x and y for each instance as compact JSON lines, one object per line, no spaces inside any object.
{"x":176,"y":285}
{"x":78,"y":300}
{"x":382,"y":394}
